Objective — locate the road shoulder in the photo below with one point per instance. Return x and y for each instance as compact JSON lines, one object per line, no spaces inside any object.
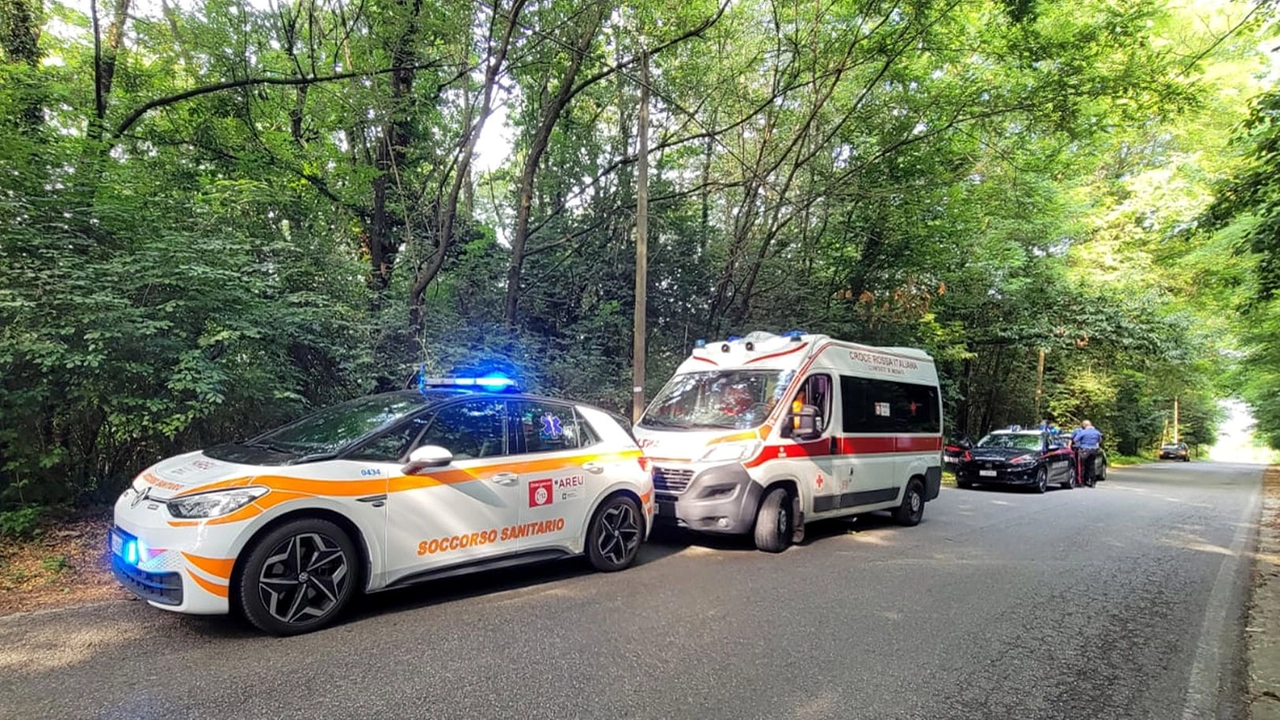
{"x":1263,"y":641}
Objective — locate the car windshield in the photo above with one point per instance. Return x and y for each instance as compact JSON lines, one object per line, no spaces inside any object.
{"x":1018,"y":441}
{"x":729,"y":399}
{"x":332,"y":429}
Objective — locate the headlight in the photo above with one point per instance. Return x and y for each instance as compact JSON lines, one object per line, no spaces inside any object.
{"x":729,"y":452}
{"x":1023,"y":459}
{"x":216,"y":503}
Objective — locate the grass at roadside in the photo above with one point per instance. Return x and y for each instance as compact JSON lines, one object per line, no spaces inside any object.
{"x":1118,"y":460}
{"x":65,"y":563}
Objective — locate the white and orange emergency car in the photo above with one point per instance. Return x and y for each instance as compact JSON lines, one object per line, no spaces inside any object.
{"x":377,"y":493}
{"x":761,"y":434}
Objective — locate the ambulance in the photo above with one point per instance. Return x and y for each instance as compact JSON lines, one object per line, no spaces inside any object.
{"x":764,"y":433}
{"x":457,"y":476}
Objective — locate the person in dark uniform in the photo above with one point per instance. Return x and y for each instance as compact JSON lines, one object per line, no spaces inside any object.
{"x":1086,"y":441}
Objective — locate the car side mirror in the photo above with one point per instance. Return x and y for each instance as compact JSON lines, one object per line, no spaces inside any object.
{"x":427,"y":457}
{"x":804,"y":423}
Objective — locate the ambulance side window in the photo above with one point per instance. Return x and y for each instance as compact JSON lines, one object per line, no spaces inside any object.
{"x":469,"y":430}
{"x":815,"y":391}
{"x":544,"y":427}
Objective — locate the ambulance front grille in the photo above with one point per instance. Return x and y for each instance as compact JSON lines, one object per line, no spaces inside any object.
{"x":671,"y":479}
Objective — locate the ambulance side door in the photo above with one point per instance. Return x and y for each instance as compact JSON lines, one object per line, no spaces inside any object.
{"x":558,"y":485}
{"x":871,"y":472}
{"x":457,"y":513}
{"x":816,"y":462}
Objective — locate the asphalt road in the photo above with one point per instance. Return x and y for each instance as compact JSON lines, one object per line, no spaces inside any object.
{"x":1125,"y":601}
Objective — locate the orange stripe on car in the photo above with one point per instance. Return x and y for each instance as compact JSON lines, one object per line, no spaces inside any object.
{"x":284,"y":489}
{"x":213,"y":588}
{"x":216,"y":567}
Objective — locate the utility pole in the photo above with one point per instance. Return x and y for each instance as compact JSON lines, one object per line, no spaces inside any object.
{"x":1175,"y":418}
{"x":1039,"y":383}
{"x":642,"y":244}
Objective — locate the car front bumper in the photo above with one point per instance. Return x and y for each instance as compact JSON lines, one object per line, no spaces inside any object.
{"x":184,"y":568}
{"x":721,"y":499}
{"x":1003,"y":476}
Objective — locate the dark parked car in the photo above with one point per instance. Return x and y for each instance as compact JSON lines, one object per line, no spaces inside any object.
{"x":1018,"y":457}
{"x":1175,"y":451}
{"x":954,"y":451}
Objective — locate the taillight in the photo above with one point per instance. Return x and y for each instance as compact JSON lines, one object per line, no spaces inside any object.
{"x":967,"y":456}
{"x":644,"y":463}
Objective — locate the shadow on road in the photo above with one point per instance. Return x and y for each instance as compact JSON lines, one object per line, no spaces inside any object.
{"x":489,"y":582}
{"x":1019,"y":489}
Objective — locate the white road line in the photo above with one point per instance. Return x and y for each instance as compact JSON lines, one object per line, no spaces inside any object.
{"x":1202,"y":687}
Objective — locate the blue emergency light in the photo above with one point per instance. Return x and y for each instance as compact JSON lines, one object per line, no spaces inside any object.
{"x":795,"y":334}
{"x":488,"y":382}
{"x":700,"y":343}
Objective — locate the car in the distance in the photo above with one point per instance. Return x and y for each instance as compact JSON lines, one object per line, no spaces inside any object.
{"x":1175,"y":451}
{"x":1015,"y":456}
{"x":377,"y":493}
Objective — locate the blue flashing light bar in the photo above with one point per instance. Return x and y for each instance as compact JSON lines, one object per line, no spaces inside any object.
{"x":795,"y":334}
{"x":489,"y":382}
{"x":734,"y":337}
{"x":700,"y":342}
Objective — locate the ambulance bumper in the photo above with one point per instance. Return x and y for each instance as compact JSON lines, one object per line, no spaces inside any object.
{"x":721,"y":500}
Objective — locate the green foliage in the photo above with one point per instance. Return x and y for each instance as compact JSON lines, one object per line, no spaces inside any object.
{"x":280,"y":207}
{"x":20,"y":523}
{"x":55,"y":564}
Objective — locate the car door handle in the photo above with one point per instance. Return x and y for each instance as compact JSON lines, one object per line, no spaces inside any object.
{"x":506,"y":478}
{"x":593,"y":467}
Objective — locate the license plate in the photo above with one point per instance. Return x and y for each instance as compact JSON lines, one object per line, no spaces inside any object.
{"x":987,"y":473}
{"x":117,"y":543}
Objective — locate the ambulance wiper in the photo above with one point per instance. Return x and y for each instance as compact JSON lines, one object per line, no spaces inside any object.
{"x":657,"y":422}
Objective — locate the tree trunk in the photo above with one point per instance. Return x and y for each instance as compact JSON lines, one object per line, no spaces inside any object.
{"x":447,"y":209}
{"x":389,"y":157}
{"x":20,"y":40}
{"x":104,"y":62}
{"x":538,"y":148}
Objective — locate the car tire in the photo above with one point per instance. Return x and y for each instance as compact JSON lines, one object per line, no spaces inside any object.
{"x":1042,"y":480}
{"x":773,"y":521}
{"x":615,"y":534}
{"x":911,"y":511}
{"x":298,"y":577}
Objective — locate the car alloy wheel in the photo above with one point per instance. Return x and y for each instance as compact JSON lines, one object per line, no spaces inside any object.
{"x":303,"y":578}
{"x":614,"y":538}
{"x":620,"y":533}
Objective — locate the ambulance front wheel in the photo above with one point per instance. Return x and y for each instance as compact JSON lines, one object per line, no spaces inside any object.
{"x":298,"y":577}
{"x":773,"y":521}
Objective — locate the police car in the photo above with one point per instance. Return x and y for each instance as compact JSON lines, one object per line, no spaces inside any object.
{"x":1015,"y":456}
{"x":457,"y":476}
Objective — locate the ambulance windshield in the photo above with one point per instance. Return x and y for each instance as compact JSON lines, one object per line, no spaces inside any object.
{"x":719,"y":399}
